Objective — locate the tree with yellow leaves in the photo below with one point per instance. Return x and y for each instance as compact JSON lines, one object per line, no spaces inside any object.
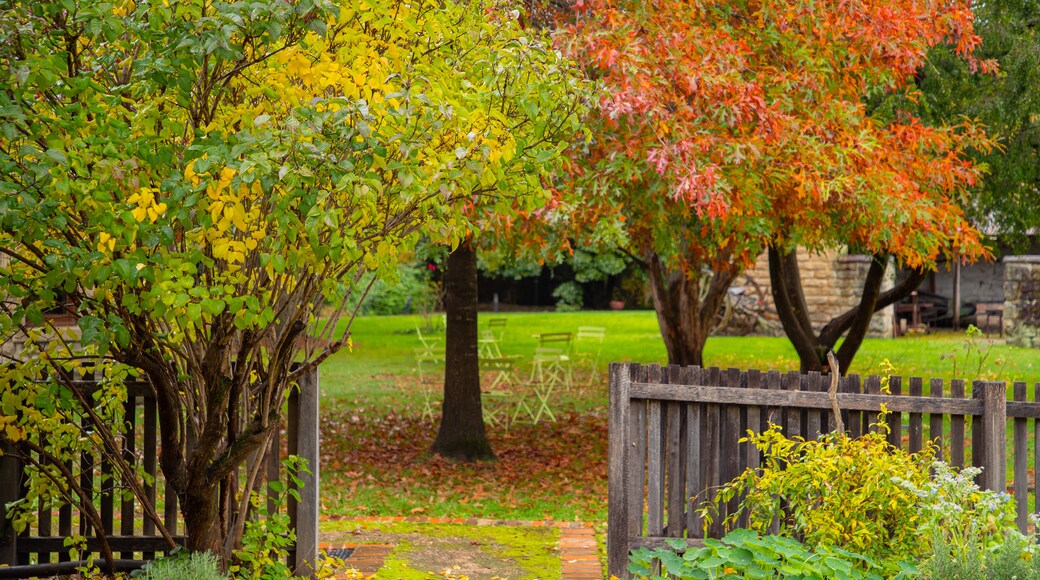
{"x":201,"y":180}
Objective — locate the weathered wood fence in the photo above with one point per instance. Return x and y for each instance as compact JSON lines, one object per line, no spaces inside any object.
{"x":674,"y":435}
{"x":41,"y":550}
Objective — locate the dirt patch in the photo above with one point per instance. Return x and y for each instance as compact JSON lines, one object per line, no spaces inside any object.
{"x":453,"y":551}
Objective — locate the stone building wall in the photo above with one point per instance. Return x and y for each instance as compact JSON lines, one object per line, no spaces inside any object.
{"x":832,"y":281}
{"x":1022,"y":300}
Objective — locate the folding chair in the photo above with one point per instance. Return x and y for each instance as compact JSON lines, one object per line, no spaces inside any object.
{"x":588,"y":346}
{"x":487,"y":345}
{"x":430,"y":353}
{"x":552,"y":361}
{"x":503,"y":369}
{"x":497,"y":326}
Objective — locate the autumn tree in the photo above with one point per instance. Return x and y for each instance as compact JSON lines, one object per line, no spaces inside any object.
{"x":204,"y":184}
{"x":726,"y":128}
{"x":525,"y":122}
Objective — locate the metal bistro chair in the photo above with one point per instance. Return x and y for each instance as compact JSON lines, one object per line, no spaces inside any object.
{"x":552,"y":362}
{"x":504,"y":387}
{"x":588,"y":346}
{"x":430,"y":353}
{"x":489,"y":343}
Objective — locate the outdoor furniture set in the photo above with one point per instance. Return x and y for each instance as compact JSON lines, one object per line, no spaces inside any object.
{"x":513,"y":388}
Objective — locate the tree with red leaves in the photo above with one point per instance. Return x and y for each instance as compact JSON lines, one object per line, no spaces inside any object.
{"x":726,"y":128}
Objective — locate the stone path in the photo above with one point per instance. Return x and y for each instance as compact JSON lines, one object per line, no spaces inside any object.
{"x":579,"y":555}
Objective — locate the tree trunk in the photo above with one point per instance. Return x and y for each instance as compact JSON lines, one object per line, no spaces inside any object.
{"x":686,"y":318}
{"x":812,"y":348}
{"x":202,"y":525}
{"x":461,"y":434}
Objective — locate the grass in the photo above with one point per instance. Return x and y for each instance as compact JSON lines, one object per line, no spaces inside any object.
{"x":382,"y":356}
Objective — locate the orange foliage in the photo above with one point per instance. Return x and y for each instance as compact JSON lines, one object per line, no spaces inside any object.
{"x":725,"y":125}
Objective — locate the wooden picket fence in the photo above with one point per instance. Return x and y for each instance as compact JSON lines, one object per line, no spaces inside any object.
{"x":41,"y":550}
{"x":674,"y":431}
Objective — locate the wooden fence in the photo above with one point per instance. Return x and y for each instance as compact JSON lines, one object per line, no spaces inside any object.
{"x":40,"y":550}
{"x":674,"y":435}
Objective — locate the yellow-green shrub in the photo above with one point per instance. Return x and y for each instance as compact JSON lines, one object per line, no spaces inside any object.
{"x":835,"y":491}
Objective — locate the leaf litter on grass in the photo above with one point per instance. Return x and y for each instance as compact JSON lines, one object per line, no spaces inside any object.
{"x":379,"y":464}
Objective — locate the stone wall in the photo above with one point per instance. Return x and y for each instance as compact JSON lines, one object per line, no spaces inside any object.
{"x":1022,"y":300}
{"x":832,"y":281}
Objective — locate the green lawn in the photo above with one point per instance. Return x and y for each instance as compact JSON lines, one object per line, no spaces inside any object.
{"x":372,"y":371}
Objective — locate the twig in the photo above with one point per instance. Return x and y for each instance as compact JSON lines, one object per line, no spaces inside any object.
{"x":832,"y":393}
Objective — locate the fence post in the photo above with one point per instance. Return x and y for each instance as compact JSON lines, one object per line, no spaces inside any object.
{"x":989,"y":435}
{"x":306,"y":418}
{"x":10,"y":488}
{"x":618,"y":474}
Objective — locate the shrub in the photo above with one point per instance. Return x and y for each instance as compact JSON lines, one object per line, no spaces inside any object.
{"x":834,"y":491}
{"x":972,"y":530}
{"x":569,"y":297}
{"x":745,"y":554}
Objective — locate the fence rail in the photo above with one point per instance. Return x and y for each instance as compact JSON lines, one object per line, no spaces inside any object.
{"x":41,"y":549}
{"x":674,"y":437}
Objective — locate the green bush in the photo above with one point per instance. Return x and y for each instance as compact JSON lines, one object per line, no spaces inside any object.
{"x":745,"y":554}
{"x":183,"y":564}
{"x":569,"y":297}
{"x":834,"y":491}
{"x":972,"y":530}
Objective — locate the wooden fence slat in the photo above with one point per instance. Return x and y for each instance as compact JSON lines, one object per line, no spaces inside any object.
{"x":126,"y":508}
{"x":694,"y":464}
{"x":895,"y":419}
{"x":752,"y":458}
{"x":149,"y":448}
{"x":86,"y":483}
{"x":730,"y":435}
{"x":935,"y":420}
{"x":916,"y":430}
{"x":811,"y":382}
{"x":989,"y":435}
{"x":105,"y":483}
{"x":774,"y":415}
{"x":654,"y":462}
{"x":957,"y":458}
{"x":792,"y":415}
{"x":10,"y":474}
{"x":637,"y":481}
{"x":1021,"y":463}
{"x":65,"y":520}
{"x":618,"y":478}
{"x":853,"y":419}
{"x":712,"y":450}
{"x":871,"y":386}
{"x":676,"y":502}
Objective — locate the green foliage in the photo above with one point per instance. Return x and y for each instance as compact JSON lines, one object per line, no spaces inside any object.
{"x":834,"y":491}
{"x":413,"y":290}
{"x":1007,"y":102}
{"x":745,"y":554}
{"x":569,"y":297}
{"x":182,"y":564}
{"x":972,"y":530}
{"x":268,"y":538}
